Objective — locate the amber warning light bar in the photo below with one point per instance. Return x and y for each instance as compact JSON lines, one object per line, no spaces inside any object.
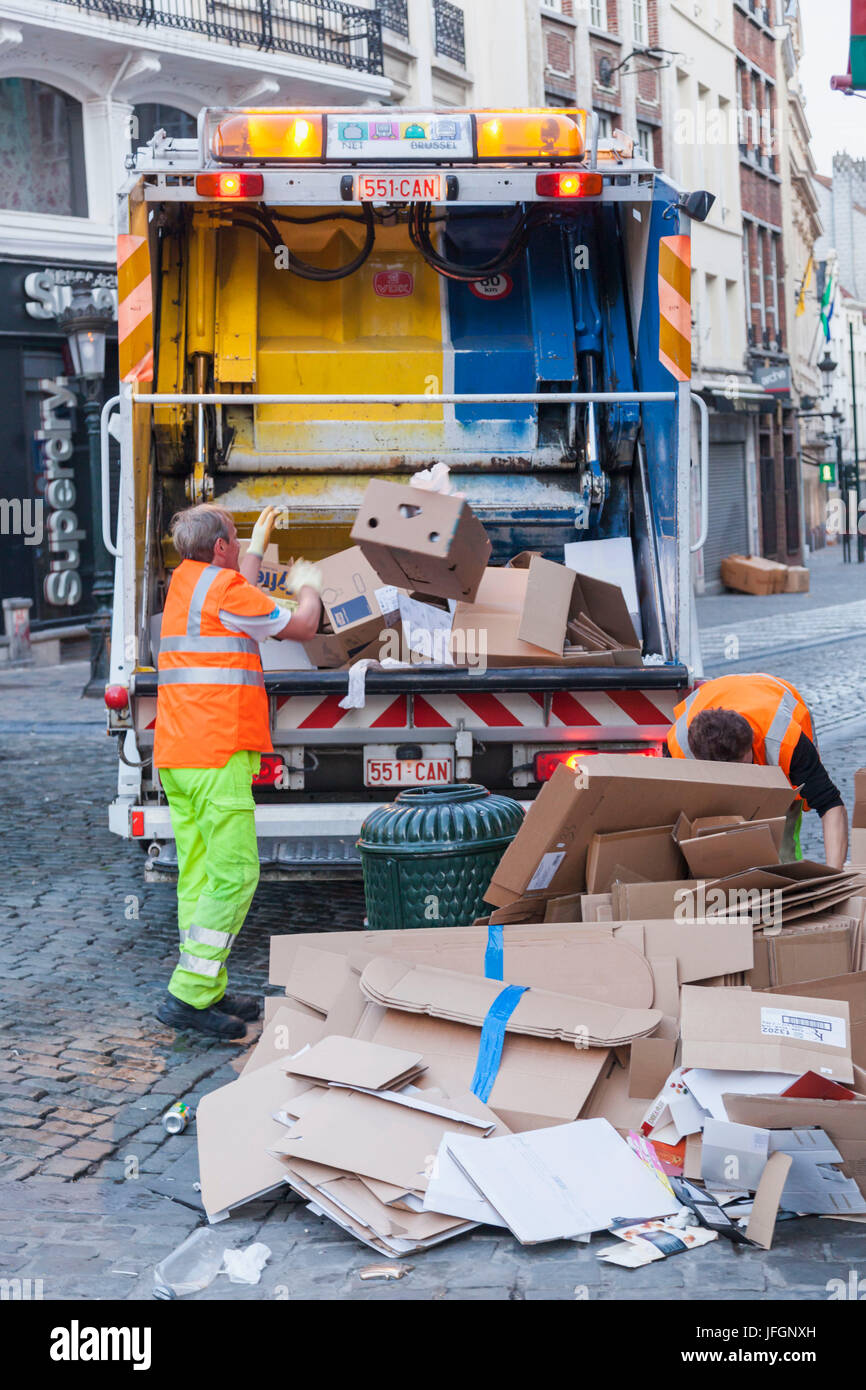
{"x":388,"y":135}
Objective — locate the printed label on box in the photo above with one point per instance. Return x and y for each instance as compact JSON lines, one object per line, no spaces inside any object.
{"x":388,"y":598}
{"x":546,"y":871}
{"x":351,"y":611}
{"x":807,"y":1027}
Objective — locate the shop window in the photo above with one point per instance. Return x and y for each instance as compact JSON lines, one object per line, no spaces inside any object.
{"x":41,"y":150}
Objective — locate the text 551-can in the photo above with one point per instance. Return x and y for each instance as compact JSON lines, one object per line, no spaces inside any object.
{"x":178,"y":1117}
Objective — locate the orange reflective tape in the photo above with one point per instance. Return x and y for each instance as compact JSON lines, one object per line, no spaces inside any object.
{"x":134,"y":309}
{"x":675,"y":314}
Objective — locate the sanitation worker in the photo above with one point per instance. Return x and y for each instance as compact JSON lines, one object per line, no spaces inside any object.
{"x":762,"y":719}
{"x":211,"y":728}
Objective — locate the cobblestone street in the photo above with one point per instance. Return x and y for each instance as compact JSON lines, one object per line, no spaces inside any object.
{"x":87,"y":1070}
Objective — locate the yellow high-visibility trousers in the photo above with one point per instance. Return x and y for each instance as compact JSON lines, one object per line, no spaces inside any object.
{"x":213,"y":819}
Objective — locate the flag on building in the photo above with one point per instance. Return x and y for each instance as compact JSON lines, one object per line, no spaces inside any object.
{"x":827,"y":303}
{"x":804,"y":285}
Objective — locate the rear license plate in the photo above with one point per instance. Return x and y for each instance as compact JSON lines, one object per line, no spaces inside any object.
{"x":410,"y":772}
{"x":399,"y":188}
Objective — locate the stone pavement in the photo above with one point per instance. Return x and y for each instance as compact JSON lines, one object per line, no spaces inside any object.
{"x":86,"y":1071}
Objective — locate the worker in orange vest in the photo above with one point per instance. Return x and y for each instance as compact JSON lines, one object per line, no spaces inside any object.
{"x":212,"y":726}
{"x":763,"y":719}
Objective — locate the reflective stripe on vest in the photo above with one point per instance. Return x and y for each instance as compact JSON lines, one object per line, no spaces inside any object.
{"x":199,"y":594}
{"x":190,"y":645}
{"x":779,"y":727}
{"x":681,"y":727}
{"x":210,"y":675}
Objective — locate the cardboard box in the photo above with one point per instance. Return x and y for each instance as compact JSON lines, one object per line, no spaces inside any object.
{"x":613,"y":791}
{"x":633,"y":902}
{"x":797,"y":954}
{"x":459,"y":998}
{"x":797,"y":580}
{"x":584,"y":959}
{"x":611,"y":560}
{"x":852,"y":989}
{"x":742,"y":1030}
{"x":356,"y":602}
{"x":525,"y":615}
{"x":425,"y":541}
{"x":649,"y":854}
{"x":753,"y":575}
{"x":540,"y":1081}
{"x":736,"y":847}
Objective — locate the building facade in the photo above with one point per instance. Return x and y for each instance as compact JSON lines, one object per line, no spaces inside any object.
{"x":702,"y":151}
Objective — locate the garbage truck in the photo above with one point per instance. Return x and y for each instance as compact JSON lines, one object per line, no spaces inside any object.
{"x":311,"y":299}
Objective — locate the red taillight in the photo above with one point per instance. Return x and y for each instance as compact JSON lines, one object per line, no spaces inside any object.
{"x":547,"y":763}
{"x":230,"y":183}
{"x":568,"y":183}
{"x":270,"y":771}
{"x":136,"y":822}
{"x":116,"y":696}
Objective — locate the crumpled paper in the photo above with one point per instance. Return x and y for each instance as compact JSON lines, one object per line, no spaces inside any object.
{"x":435,"y":479}
{"x":245,"y":1266}
{"x":356,"y":696}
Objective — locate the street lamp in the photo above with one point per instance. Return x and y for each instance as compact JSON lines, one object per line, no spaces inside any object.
{"x":827,"y":367}
{"x":85,"y":323}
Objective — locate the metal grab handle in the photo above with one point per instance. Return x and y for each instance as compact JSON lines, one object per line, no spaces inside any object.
{"x":490,"y":398}
{"x":705,"y":470}
{"x":104,"y":451}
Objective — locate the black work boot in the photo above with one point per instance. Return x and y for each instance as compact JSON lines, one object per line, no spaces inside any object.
{"x":241,"y":1005}
{"x":179,"y":1015}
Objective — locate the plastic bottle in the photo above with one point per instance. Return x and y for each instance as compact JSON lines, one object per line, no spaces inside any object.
{"x":192,"y":1266}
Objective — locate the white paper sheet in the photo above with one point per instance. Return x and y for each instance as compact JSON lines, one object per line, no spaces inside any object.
{"x":708,"y":1087}
{"x":450,"y":1192}
{"x":561,"y":1182}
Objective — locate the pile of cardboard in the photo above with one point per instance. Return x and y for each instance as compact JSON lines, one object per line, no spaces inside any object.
{"x":752,"y":574}
{"x":667,"y":1080}
{"x":417,"y":587}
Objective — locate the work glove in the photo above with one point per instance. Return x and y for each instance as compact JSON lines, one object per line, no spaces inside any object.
{"x":262,"y":532}
{"x":304,"y":574}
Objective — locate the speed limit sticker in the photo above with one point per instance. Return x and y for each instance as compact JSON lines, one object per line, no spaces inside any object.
{"x":493,"y":287}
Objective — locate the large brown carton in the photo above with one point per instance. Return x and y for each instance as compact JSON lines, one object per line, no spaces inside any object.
{"x":652,"y":855}
{"x":529,"y":614}
{"x":424,"y":541}
{"x":799,"y":954}
{"x":613,"y":791}
{"x":753,"y":575}
{"x":750,"y":1030}
{"x":797,"y":580}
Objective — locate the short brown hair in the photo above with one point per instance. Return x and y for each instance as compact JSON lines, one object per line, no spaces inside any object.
{"x":196,"y":531}
{"x":720,"y":736}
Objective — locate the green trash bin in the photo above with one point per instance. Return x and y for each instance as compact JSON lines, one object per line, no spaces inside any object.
{"x":429,"y":856}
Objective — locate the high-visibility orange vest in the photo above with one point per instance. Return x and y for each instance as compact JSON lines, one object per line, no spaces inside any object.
{"x":212,"y":701}
{"x":775,"y":710}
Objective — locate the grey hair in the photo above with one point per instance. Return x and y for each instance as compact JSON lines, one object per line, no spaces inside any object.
{"x":196,"y":531}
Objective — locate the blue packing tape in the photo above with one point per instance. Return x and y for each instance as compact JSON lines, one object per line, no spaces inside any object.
{"x":494,"y":967}
{"x":492,"y":1038}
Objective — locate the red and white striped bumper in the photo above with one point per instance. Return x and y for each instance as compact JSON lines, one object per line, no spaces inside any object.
{"x":593,"y":715}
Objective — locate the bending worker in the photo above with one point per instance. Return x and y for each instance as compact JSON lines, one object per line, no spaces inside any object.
{"x":762,"y":719}
{"x":211,"y":728}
